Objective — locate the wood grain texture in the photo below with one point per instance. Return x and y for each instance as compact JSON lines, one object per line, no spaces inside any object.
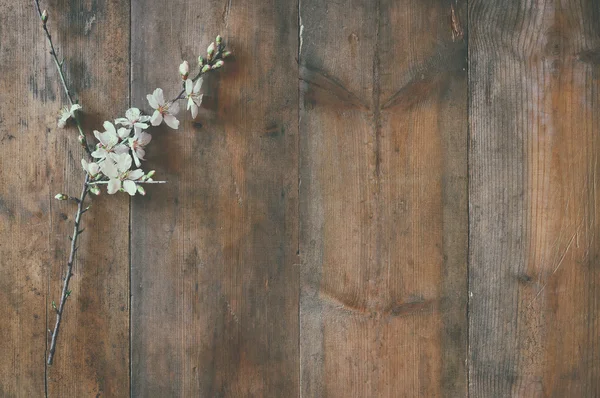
{"x":92,"y":357}
{"x":535,"y":140}
{"x":39,"y":160}
{"x":214,"y":252}
{"x":383,"y":200}
{"x":24,"y":202}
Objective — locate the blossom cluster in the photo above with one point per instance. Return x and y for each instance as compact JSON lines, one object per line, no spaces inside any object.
{"x":117,"y":156}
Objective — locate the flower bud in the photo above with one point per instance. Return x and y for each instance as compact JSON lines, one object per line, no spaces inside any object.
{"x":61,"y":196}
{"x":219,"y":39}
{"x":82,"y":140}
{"x":201,"y":61}
{"x":210,"y":51}
{"x":184,"y":70}
{"x":218,"y":64}
{"x":205,"y":68}
{"x":226,"y":54}
{"x":45,"y":16}
{"x":150,"y":173}
{"x":141,"y":190}
{"x":94,"y":189}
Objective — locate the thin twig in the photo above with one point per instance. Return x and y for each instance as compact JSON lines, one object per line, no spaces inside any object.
{"x":80,"y":201}
{"x":137,"y":182}
{"x":65,"y":289}
{"x":62,"y":76}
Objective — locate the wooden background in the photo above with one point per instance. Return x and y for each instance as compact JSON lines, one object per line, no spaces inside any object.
{"x":386,"y":199}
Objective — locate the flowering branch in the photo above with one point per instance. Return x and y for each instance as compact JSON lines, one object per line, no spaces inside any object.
{"x":119,"y":149}
{"x":66,"y":112}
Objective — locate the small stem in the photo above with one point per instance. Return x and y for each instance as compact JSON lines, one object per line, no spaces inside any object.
{"x":61,"y":74}
{"x":65,"y":289}
{"x":137,"y":182}
{"x":217,"y":56}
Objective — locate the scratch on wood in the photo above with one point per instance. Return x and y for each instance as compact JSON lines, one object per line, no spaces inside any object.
{"x":411,"y":307}
{"x":322,"y":80}
{"x":419,"y":83}
{"x":88,"y":25}
{"x":226,"y":13}
{"x":590,"y":56}
{"x":300,"y":33}
{"x":557,"y":265}
{"x":457,"y":31}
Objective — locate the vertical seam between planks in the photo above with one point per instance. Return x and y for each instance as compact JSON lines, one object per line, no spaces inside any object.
{"x":468,"y":276}
{"x":298,"y":259}
{"x":129,"y":232}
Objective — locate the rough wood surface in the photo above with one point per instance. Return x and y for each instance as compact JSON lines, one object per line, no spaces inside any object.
{"x":535,"y":141}
{"x":92,"y":358}
{"x":315,"y":231}
{"x":214,"y":264}
{"x":39,"y":160}
{"x":24,"y":202}
{"x":383,"y":199}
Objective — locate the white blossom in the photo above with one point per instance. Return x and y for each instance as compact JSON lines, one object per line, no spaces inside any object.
{"x":133,"y":119}
{"x":184,"y":70}
{"x":109,"y":141}
{"x":137,"y":143}
{"x":116,"y":168}
{"x":163,"y":110}
{"x":66,"y":113}
{"x":193,"y":95}
{"x":92,"y":168}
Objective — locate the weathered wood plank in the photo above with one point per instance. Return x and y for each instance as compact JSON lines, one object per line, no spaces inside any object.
{"x":534,"y":147}
{"x":38,"y":160}
{"x":383,"y":201}
{"x":92,"y":358}
{"x":214,"y":252}
{"x":24,"y":201}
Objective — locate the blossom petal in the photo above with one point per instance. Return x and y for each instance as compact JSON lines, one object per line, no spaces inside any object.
{"x":174,"y":108}
{"x":197,"y":86}
{"x":189,"y":86}
{"x":130,"y":187}
{"x":74,"y":107}
{"x":121,"y":148}
{"x":142,"y":126}
{"x":152,"y":101}
{"x":135,"y":174}
{"x":194,"y":110}
{"x":143,"y":138}
{"x":122,"y":160}
{"x":132,"y":114}
{"x":123,"y":132}
{"x":109,"y":169}
{"x":100,"y":153}
{"x":114,"y":185}
{"x":172,"y":121}
{"x":93,"y":168}
{"x":157,"y":118}
{"x":158,"y":96}
{"x":136,"y":159}
{"x":122,"y":120}
{"x":109,"y":127}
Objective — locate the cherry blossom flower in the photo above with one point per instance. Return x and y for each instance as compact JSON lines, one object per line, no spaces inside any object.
{"x":66,"y":113}
{"x":193,"y":95}
{"x":116,"y":168}
{"x":92,"y":168}
{"x":133,"y":118}
{"x":163,"y":110}
{"x":109,"y":141}
{"x":184,"y":70}
{"x":137,"y":143}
